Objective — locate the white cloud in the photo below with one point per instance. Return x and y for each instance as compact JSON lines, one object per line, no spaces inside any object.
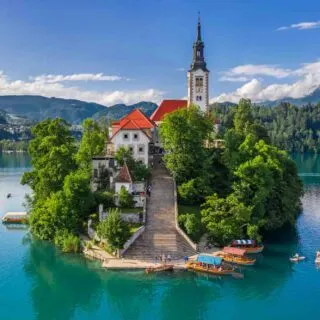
{"x":308,"y":80}
{"x":50,"y":86}
{"x":301,"y":26}
{"x":233,"y":79}
{"x":245,"y":72}
{"x":52,"y":78}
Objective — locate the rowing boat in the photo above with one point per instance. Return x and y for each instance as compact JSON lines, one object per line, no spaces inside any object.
{"x":236,"y":256}
{"x":250,"y":246}
{"x":210,"y":264}
{"x":297,"y":259}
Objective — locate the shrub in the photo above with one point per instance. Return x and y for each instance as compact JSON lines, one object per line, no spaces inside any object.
{"x":191,"y":223}
{"x":125,"y":198}
{"x":105,"y":198}
{"x":193,"y":191}
{"x":114,"y":230}
{"x":66,"y":241}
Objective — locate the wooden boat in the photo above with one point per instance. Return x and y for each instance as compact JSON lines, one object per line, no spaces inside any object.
{"x":317,"y":258}
{"x":15,"y":217}
{"x":210,"y":264}
{"x":237,"y":256}
{"x":164,"y":267}
{"x":297,"y":259}
{"x":250,"y":246}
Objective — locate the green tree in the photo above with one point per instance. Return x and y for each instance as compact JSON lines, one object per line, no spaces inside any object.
{"x":52,"y":152}
{"x":124,"y":155}
{"x":225,"y":218}
{"x":92,"y":143}
{"x":183,"y":134}
{"x":114,"y":230}
{"x":125,"y":198}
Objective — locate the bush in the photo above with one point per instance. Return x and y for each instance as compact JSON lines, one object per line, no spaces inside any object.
{"x":194,"y":191}
{"x":191,"y":223}
{"x":125,"y":198}
{"x":114,"y":230}
{"x":67,"y":241}
{"x":105,"y":198}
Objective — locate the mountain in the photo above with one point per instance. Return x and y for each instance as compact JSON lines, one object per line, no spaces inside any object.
{"x":313,"y":98}
{"x":39,"y":108}
{"x":119,"y":110}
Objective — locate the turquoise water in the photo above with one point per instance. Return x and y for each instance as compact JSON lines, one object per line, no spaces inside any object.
{"x":38,"y":282}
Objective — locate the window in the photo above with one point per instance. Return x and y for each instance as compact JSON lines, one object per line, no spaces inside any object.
{"x":198,"y":53}
{"x":125,"y":136}
{"x":131,"y":148}
{"x":95,"y":173}
{"x":135,"y":136}
{"x":140,"y":149}
{"x":199,"y":98}
{"x":199,"y":81}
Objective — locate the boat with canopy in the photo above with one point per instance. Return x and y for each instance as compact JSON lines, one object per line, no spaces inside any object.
{"x":237,"y":256}
{"x":250,"y":246}
{"x":210,"y":264}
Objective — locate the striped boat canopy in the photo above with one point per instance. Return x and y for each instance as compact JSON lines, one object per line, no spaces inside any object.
{"x":235,"y":251}
{"x":203,"y":258}
{"x":243,"y":242}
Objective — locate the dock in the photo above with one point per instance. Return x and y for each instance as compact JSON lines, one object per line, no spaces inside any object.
{"x":15,"y":217}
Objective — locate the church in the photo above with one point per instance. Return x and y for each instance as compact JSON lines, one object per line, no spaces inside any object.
{"x":139,"y":133}
{"x":198,"y":84}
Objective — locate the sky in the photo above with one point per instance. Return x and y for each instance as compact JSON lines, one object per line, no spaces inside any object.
{"x":126,"y":51}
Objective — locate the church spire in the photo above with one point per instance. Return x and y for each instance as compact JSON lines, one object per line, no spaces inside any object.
{"x":198,"y":61}
{"x":199,"y":28}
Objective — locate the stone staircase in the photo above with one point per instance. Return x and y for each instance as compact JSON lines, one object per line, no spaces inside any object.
{"x":160,"y":236}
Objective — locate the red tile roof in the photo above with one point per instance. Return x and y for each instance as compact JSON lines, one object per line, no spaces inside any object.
{"x":124,"y":175}
{"x":167,"y":106}
{"x":135,"y":120}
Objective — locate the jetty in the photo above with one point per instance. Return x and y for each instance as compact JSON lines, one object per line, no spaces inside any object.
{"x":14,"y":217}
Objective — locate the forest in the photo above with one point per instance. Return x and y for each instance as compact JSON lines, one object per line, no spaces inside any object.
{"x":243,"y":190}
{"x":291,"y":128}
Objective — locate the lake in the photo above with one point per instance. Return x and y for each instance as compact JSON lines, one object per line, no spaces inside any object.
{"x":37,"y":281}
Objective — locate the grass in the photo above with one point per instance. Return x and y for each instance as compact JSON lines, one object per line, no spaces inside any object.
{"x":134,"y":227}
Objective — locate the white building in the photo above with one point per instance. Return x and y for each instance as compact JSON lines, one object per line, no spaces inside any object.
{"x":135,"y":132}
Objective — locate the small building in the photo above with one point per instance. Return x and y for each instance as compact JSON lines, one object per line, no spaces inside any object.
{"x":135,"y":188}
{"x":135,"y":132}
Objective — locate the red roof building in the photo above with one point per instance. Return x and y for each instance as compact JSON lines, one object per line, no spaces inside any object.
{"x":124,"y":175}
{"x":135,"y":120}
{"x":166,"y":107}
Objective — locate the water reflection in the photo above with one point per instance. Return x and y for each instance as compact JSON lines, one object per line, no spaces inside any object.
{"x":61,"y":283}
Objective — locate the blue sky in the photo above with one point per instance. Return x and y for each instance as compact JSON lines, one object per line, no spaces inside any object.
{"x":133,"y":50}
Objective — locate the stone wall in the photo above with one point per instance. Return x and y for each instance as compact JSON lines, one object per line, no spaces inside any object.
{"x":182,"y":233}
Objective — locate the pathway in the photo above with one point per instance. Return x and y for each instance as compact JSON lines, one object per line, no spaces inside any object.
{"x":160,"y":236}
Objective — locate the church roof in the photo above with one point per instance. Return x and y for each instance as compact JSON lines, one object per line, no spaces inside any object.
{"x":135,"y":120}
{"x":166,"y":107}
{"x":124,"y":175}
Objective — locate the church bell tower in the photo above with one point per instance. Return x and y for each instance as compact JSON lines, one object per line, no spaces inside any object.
{"x":198,"y":75}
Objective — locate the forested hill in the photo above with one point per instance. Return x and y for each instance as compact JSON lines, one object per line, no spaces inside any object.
{"x":74,"y":111}
{"x":295,"y":129}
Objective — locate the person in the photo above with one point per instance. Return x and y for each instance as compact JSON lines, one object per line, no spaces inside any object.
{"x":186,"y":259}
{"x":296,"y":255}
{"x":169,"y":257}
